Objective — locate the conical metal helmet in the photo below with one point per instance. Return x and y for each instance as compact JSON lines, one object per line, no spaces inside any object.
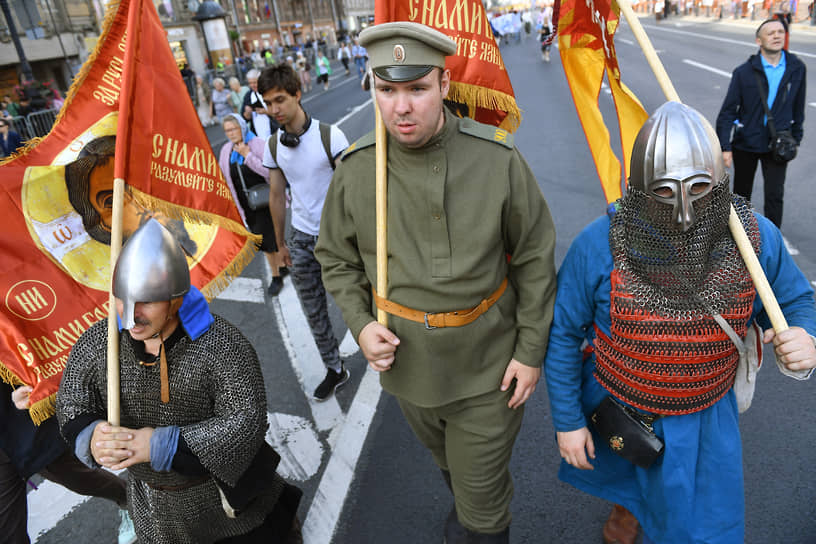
{"x":676,"y":160}
{"x":151,"y":268}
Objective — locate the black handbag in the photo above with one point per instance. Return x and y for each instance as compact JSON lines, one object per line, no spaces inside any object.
{"x":783,"y":145}
{"x":627,"y":432}
{"x":257,"y":195}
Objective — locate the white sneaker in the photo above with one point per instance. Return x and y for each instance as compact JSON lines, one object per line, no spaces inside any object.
{"x":127,"y":534}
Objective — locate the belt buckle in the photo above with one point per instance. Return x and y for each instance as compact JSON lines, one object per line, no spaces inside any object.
{"x":428,"y":326}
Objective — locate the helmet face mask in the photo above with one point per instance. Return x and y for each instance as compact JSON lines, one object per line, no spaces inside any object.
{"x":676,"y":161}
{"x":681,"y":194}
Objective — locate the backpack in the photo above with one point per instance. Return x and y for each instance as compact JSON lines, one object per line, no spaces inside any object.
{"x":325,"y":138}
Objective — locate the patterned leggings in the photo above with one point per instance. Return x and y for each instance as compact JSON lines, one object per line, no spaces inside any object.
{"x":309,"y":286}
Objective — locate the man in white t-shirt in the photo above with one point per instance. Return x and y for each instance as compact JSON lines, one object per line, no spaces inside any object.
{"x":302,"y":153}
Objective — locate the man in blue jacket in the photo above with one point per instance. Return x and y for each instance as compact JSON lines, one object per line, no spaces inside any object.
{"x":782,"y":76}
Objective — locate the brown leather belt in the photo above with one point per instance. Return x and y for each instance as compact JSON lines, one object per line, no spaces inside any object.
{"x":458,"y":318}
{"x":187,"y":485}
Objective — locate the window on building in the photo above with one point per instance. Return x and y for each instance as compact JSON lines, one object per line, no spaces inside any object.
{"x":29,"y":20}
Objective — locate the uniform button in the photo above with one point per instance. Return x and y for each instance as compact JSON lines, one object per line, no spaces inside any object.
{"x":436,"y":169}
{"x":436,"y":217}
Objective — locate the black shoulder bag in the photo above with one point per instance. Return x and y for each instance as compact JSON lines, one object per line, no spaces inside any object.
{"x":783,"y":145}
{"x":628,"y":432}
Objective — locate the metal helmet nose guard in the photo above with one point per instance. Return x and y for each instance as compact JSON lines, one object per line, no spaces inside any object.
{"x":676,"y":160}
{"x":151,"y":268}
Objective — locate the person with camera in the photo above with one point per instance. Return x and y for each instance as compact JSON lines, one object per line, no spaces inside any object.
{"x":302,"y":152}
{"x":762,"y":115}
{"x":241,"y":162}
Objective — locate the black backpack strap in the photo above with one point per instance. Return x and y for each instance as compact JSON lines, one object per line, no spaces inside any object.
{"x":325,"y":137}
{"x":273,"y":147}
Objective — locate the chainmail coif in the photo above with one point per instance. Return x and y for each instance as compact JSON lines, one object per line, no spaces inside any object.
{"x":663,"y":266}
{"x":665,"y":353}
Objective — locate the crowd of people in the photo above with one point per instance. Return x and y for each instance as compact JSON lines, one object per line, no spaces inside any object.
{"x":31,"y":98}
{"x":640,"y":334}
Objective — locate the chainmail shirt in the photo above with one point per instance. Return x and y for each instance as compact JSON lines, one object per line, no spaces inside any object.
{"x":217,"y":398}
{"x":665,"y":353}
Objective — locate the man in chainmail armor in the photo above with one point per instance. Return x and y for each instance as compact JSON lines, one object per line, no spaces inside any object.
{"x":652,"y":302}
{"x":193,"y":409}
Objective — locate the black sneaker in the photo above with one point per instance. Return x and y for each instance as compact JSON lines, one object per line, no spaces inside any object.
{"x":275,"y":287}
{"x":331,"y":383}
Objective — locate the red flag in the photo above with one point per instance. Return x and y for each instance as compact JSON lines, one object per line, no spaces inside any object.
{"x":479,"y":80}
{"x":56,"y":198}
{"x":585,"y":40}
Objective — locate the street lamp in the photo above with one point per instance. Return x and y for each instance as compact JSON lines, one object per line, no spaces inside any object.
{"x":216,"y":38}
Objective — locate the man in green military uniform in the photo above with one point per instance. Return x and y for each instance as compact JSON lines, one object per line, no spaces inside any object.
{"x":470,"y":271}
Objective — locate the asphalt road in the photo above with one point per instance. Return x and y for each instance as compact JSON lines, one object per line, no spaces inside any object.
{"x":365,"y":476}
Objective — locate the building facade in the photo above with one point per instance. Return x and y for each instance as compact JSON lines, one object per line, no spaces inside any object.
{"x":58,"y":35}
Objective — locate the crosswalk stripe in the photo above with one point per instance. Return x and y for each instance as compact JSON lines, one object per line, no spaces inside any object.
{"x":47,"y":505}
{"x":335,"y":482}
{"x":302,"y":350}
{"x":244,"y":290}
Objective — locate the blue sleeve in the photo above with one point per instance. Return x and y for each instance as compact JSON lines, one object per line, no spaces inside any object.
{"x":789,"y":284}
{"x":581,"y":278}
{"x":163,"y":446}
{"x":82,"y":447}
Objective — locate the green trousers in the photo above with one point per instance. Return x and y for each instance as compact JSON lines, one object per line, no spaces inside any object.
{"x":473,"y":440}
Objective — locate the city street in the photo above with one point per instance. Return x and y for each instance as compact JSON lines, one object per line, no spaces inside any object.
{"x":365,"y":477}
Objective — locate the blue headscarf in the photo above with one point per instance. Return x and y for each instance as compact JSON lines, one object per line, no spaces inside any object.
{"x":247,"y":135}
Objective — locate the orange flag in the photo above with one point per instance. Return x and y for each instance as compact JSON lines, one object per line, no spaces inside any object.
{"x":479,"y":80}
{"x":585,"y":40}
{"x":128,"y":110}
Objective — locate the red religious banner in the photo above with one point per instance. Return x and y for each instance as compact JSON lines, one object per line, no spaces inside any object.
{"x":56,"y":199}
{"x":479,"y":80}
{"x":586,"y":29}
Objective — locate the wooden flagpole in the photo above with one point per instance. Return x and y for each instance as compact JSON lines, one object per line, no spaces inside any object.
{"x":737,"y":230}
{"x":123,"y":130}
{"x":113,"y":327}
{"x":381,"y":203}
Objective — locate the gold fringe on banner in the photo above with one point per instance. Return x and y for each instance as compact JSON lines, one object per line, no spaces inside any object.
{"x":8,"y":376}
{"x":476,"y":95}
{"x":110,"y":15}
{"x":183,"y":213}
{"x":225,"y":277}
{"x":43,"y":409}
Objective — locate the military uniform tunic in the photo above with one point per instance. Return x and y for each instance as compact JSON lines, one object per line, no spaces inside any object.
{"x":464,"y":212}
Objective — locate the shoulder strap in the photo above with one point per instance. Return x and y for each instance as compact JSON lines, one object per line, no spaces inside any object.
{"x":367,"y":140}
{"x":325,"y":137}
{"x":273,"y":147}
{"x":764,"y":97}
{"x":486,"y":132}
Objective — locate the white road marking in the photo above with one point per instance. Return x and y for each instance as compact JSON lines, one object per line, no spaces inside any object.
{"x":353,"y":112}
{"x":244,"y":290}
{"x":748,"y":42}
{"x":348,"y":346}
{"x":327,"y":504}
{"x":812,"y":104}
{"x":624,"y":40}
{"x":814,"y":283}
{"x":791,"y":249}
{"x":47,"y":505}
{"x":302,"y":350}
{"x":295,"y":440}
{"x":320,"y":91}
{"x":707,"y":67}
